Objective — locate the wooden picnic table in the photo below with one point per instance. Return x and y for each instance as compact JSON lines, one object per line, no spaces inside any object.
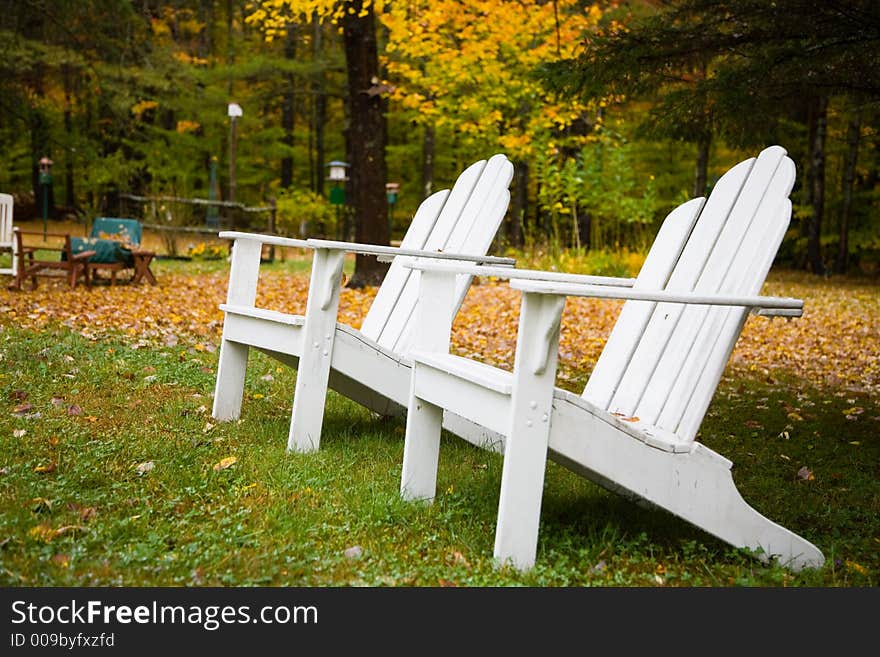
{"x":142,"y":260}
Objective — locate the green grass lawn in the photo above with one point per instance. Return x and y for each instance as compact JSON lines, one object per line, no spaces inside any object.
{"x":108,"y":455}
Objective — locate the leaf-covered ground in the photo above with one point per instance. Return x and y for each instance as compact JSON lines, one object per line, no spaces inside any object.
{"x":835,"y":343}
{"x":114,"y":473}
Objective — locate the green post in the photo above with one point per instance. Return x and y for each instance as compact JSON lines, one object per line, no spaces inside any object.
{"x":337,"y":198}
{"x":45,"y":180}
{"x":392,"y":189}
{"x":212,"y":217}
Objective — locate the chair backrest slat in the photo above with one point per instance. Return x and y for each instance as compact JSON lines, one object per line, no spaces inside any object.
{"x":397,"y":275}
{"x":634,"y":316}
{"x":731,"y":270}
{"x":678,"y":359}
{"x":473,"y":234}
{"x":6,"y":206}
{"x":466,"y":223}
{"x":645,"y":346}
{"x":693,"y":391}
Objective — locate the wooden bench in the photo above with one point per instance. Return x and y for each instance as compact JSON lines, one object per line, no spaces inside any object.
{"x":68,"y":264}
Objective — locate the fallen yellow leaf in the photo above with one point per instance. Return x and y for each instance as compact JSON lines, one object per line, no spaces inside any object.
{"x":852,"y":565}
{"x":228,"y":462}
{"x":42,"y":532}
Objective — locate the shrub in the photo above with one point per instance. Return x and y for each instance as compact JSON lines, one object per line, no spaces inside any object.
{"x":302,"y":213}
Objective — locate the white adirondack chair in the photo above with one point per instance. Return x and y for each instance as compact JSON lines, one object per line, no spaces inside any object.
{"x":7,"y":240}
{"x":367,"y":365}
{"x":633,"y":430}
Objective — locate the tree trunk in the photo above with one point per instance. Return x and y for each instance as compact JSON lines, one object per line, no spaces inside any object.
{"x":206,"y":36}
{"x":230,"y":43}
{"x":584,"y":221}
{"x":69,"y":197}
{"x":853,"y":134}
{"x":701,"y":170}
{"x":811,"y":139}
{"x":428,"y":161}
{"x":287,"y":113}
{"x":817,"y":158}
{"x":516,"y":229}
{"x":320,"y":107}
{"x":367,"y":136}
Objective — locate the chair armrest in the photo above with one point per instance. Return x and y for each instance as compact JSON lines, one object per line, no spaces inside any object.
{"x":767,"y":306}
{"x":275,"y":240}
{"x":512,"y":273}
{"x":382,"y":252}
{"x":387,"y":253}
{"x":34,"y":249}
{"x":39,"y":232}
{"x":83,"y":255}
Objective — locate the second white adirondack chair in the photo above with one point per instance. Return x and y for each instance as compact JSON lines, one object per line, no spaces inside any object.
{"x":633,"y":430}
{"x":367,"y":365}
{"x":7,"y":240}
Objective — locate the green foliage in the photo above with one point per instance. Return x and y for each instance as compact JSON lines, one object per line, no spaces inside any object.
{"x":301,"y":213}
{"x":133,"y":99}
{"x":601,"y":180}
{"x":620,"y":262}
{"x":737,"y":74}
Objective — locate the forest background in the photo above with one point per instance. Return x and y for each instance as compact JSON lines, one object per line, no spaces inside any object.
{"x":613,"y":112}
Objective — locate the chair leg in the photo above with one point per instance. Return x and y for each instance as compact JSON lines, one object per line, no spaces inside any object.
{"x":519,"y":505}
{"x":33,"y":275}
{"x":17,"y":278}
{"x":229,"y":389}
{"x":319,"y":333}
{"x":525,"y":452}
{"x":244,"y":272}
{"x":421,"y":450}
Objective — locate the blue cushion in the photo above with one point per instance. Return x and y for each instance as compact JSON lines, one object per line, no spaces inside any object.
{"x":107,"y":251}
{"x":127,"y":231}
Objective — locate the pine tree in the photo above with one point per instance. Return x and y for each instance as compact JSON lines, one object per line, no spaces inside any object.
{"x":735,"y":68}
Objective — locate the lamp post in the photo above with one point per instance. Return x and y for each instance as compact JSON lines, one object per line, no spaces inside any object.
{"x":45,"y":180}
{"x":234,"y":112}
{"x":337,"y":174}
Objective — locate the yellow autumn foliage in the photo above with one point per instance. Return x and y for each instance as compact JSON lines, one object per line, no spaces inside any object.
{"x":142,"y":106}
{"x":465,"y":64}
{"x":468,"y":65}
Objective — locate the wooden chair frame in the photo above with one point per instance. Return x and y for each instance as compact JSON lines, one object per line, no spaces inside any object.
{"x":68,"y":265}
